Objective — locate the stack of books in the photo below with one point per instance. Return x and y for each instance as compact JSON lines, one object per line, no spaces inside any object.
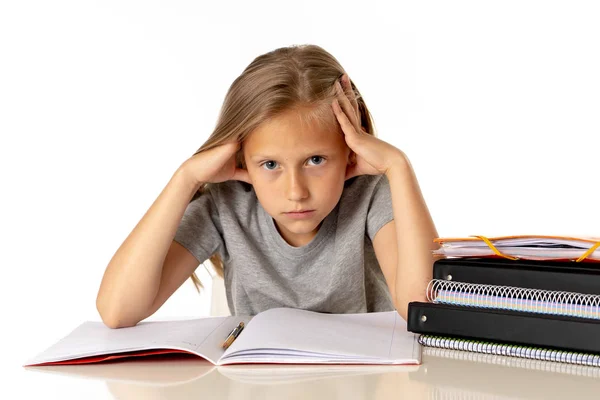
{"x":535,"y":297}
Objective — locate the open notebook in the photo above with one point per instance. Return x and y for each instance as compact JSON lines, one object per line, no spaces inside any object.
{"x":279,"y":335}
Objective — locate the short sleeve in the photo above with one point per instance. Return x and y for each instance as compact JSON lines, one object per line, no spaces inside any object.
{"x":380,"y":210}
{"x":200,"y":229}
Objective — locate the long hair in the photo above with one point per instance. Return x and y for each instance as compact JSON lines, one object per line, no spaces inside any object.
{"x":298,"y":77}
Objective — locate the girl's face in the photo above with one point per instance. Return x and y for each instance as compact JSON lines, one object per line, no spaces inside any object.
{"x":296,"y":167}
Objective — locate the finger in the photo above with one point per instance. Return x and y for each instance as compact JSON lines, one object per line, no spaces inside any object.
{"x":230,"y":147}
{"x":242,"y":175}
{"x":345,"y":103}
{"x":343,"y":120}
{"x":347,"y":86}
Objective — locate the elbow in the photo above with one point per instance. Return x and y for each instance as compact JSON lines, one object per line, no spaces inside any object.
{"x":114,"y":321}
{"x":112,"y":317}
{"x":108,"y":318}
{"x":111,"y":323}
{"x":403,"y":312}
{"x":402,"y":304}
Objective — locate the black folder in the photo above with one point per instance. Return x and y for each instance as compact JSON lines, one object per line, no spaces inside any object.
{"x":505,"y":326}
{"x":569,"y":276}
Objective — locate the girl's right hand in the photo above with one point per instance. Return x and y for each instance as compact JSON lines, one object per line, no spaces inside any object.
{"x":216,"y":165}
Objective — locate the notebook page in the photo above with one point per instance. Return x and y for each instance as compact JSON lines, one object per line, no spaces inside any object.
{"x":539,"y":253}
{"x":212,"y":347}
{"x":581,"y":244}
{"x":303,"y":336}
{"x":94,"y":338}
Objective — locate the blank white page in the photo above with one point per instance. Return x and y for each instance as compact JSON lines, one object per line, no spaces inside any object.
{"x":368,"y":336}
{"x":94,"y":338}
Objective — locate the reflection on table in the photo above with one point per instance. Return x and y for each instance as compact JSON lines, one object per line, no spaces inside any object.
{"x":444,"y":374}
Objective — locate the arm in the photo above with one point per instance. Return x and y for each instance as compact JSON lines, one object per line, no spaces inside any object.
{"x":403,"y":246}
{"x":149,"y":266}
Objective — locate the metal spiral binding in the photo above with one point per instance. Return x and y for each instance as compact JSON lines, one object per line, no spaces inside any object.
{"x":533,"y":353}
{"x":514,"y":298}
{"x":514,"y":362}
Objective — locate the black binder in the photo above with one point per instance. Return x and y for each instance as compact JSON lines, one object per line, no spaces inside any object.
{"x":569,"y":276}
{"x":505,"y":326}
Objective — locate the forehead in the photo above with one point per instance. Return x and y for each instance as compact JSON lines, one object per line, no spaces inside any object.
{"x":289,"y":132}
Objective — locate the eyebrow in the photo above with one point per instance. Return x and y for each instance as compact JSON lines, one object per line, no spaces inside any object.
{"x":316,"y":152}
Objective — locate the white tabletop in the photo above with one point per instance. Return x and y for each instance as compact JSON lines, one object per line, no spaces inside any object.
{"x":442,"y":375}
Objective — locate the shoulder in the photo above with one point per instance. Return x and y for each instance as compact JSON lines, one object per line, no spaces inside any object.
{"x":366,"y":201}
{"x":230,"y":190}
{"x":365,"y":186}
{"x":366,"y":181}
{"x":364,"y":192}
{"x":222,"y":194}
{"x":233,"y":200}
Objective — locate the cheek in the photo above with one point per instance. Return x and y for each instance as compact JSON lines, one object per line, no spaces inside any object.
{"x":262,"y":180}
{"x":334,"y":171}
{"x":263,"y":186}
{"x":267,"y":199}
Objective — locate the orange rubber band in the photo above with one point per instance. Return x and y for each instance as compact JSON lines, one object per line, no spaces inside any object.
{"x":495,"y":250}
{"x":587,"y":253}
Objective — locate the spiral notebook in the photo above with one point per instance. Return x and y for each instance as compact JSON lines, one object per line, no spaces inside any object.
{"x":526,"y":322}
{"x":522,"y":363}
{"x":523,"y":296}
{"x":510,"y":350}
{"x":514,"y":298}
{"x":455,"y":374}
{"x":507,"y":332}
{"x":569,"y":276}
{"x":517,"y":299}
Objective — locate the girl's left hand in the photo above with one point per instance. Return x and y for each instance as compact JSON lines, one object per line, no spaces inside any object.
{"x":373,"y":155}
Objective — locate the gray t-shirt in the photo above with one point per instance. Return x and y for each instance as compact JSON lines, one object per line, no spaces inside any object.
{"x":337,"y":272}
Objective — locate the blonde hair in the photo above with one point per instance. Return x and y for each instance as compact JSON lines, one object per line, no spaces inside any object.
{"x":299,"y":78}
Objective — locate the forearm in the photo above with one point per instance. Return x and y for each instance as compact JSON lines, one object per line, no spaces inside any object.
{"x":133,"y":275}
{"x":415,"y":232}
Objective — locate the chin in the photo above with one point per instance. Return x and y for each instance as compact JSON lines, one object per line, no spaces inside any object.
{"x":300,"y":226}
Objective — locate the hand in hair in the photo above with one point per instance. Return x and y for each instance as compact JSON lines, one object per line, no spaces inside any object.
{"x":215,"y":165}
{"x":373,"y":156}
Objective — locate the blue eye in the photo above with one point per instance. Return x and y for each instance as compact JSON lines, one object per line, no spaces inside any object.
{"x":271,"y":165}
{"x":270,"y":162}
{"x":319,"y":159}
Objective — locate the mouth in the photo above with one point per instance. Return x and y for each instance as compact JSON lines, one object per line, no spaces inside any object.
{"x":300,"y":213}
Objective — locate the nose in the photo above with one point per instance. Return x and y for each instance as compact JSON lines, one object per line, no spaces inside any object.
{"x":296,"y":188}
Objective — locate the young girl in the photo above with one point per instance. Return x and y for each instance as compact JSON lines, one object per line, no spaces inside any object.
{"x":293,"y":199}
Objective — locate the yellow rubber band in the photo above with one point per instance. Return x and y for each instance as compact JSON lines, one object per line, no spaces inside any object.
{"x":494,"y":249}
{"x":587,"y":253}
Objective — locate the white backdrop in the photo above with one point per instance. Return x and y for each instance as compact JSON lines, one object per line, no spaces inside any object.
{"x":496,"y":104}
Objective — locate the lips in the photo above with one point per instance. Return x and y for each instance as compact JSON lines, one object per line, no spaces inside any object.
{"x":301,"y":215}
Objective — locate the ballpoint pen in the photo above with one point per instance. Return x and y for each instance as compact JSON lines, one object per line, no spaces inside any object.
{"x":233,"y":335}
